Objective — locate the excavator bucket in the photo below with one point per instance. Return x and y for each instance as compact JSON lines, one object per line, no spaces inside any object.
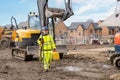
{"x":69,"y":11}
{"x":54,"y":12}
{"x":60,"y":13}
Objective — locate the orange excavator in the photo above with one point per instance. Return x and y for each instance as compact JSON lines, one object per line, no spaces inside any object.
{"x":1,"y":30}
{"x":7,"y":36}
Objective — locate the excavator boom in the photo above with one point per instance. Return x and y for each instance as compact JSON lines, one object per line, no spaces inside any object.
{"x":13,"y":20}
{"x":46,"y":12}
{"x":53,"y":16}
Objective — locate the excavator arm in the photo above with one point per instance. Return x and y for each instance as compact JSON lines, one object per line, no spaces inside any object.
{"x":51,"y":16}
{"x":46,"y":12}
{"x":69,"y":11}
{"x":13,"y":20}
{"x":42,"y":4}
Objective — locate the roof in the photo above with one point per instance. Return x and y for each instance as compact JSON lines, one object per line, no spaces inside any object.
{"x":23,"y":24}
{"x":75,"y":25}
{"x":96,"y":26}
{"x":84,"y":25}
{"x":113,"y":20}
{"x":100,"y":20}
{"x":111,"y":27}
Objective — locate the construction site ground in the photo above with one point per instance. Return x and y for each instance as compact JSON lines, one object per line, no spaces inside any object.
{"x":83,"y":63}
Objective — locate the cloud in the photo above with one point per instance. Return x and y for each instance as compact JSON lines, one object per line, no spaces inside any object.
{"x":22,"y":1}
{"x":79,"y":17}
{"x":97,"y":8}
{"x":59,"y":3}
{"x":77,"y":1}
{"x":83,"y":9}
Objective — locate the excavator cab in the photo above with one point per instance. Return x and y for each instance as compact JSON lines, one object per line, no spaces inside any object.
{"x":33,"y":21}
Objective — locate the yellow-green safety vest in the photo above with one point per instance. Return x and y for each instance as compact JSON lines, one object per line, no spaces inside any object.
{"x":48,"y":42}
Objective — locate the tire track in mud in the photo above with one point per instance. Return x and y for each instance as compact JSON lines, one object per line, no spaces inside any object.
{"x":89,"y":68}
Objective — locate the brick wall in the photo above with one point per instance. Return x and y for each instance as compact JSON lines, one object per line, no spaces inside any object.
{"x":105,"y":31}
{"x":60,"y":28}
{"x":90,"y":30}
{"x":76,"y":32}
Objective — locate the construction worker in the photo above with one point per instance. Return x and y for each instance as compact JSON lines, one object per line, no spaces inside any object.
{"x":47,"y":46}
{"x":117,"y":42}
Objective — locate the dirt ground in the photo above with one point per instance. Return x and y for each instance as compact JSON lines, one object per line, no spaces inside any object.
{"x":85,"y":63}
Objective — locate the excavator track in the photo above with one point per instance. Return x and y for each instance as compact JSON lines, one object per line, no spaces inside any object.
{"x":19,"y":53}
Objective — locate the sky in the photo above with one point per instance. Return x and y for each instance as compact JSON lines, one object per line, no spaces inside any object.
{"x":83,"y":9}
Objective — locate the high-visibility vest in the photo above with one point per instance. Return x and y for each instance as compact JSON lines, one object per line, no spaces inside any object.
{"x":48,"y":42}
{"x":117,"y":39}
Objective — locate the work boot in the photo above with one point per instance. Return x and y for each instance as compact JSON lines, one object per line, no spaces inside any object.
{"x":46,"y":70}
{"x":49,"y":67}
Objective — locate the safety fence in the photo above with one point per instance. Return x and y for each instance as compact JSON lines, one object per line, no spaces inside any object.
{"x":85,"y":40}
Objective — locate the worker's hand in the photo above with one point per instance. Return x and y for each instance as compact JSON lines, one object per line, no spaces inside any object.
{"x":41,"y":40}
{"x":54,"y":50}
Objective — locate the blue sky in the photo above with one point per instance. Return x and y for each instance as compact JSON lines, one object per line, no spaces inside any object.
{"x":83,"y":9}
